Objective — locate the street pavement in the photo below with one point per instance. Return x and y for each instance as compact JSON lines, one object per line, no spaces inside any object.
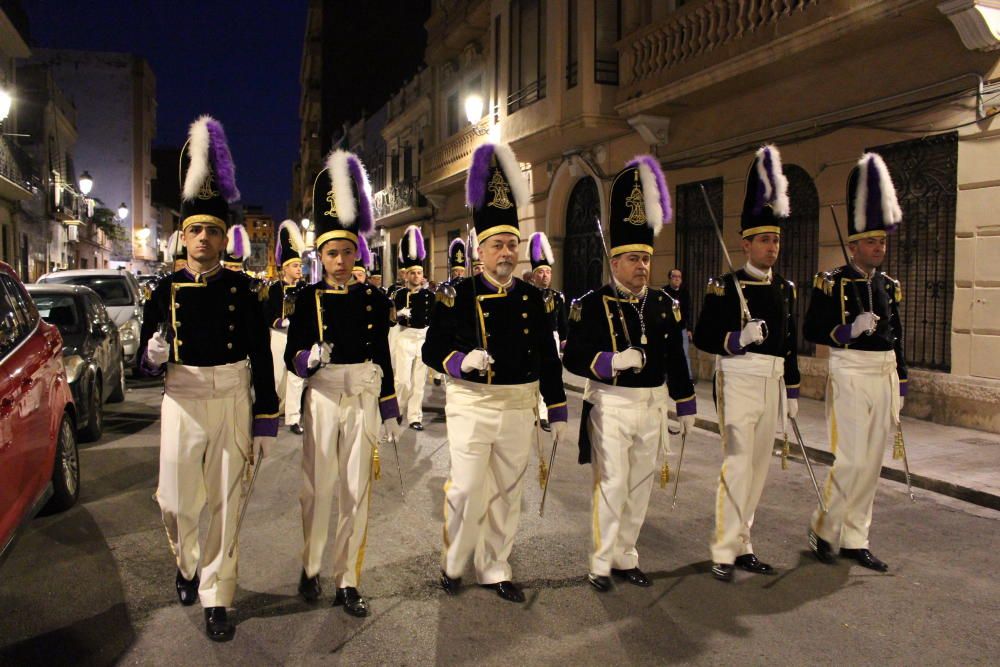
{"x":95,"y":585}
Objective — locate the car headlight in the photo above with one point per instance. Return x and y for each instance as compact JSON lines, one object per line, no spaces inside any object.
{"x":74,"y":364}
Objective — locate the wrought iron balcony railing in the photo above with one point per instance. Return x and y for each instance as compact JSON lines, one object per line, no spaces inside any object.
{"x":15,"y":165}
{"x":395,"y":198}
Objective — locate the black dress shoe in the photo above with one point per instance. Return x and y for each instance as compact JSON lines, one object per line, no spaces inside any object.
{"x":821,"y":548}
{"x":352,"y":601}
{"x":309,"y":587}
{"x":544,"y":423}
{"x":865,"y":559}
{"x":296,"y":429}
{"x":722,"y":571}
{"x":507,"y":590}
{"x":634,"y":576}
{"x":750,"y":563}
{"x":217,"y":625}
{"x":187,"y":591}
{"x":600,"y":582}
{"x":450,"y":584}
{"x":416,"y":426}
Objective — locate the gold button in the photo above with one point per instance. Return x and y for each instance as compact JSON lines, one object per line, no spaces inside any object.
{"x":370,"y":326}
{"x":180,"y":342}
{"x":177,"y":323}
{"x":486,"y":314}
{"x":526,"y":331}
{"x":368,"y":291}
{"x":233,"y":290}
{"x":232,"y":307}
{"x":232,"y":327}
{"x":368,"y":308}
{"x":663,"y":314}
{"x":229,"y":346}
{"x":524,"y":315}
{"x":325,"y":327}
{"x":524,"y":298}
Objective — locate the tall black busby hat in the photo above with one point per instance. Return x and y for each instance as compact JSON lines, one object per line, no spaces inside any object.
{"x":539,"y":251}
{"x":457,"y":254}
{"x":208,"y":175}
{"x":237,"y":248}
{"x":376,"y":270}
{"x":640,"y":205}
{"x":494,"y":189}
{"x":290,"y":246}
{"x":342,"y":203}
{"x":411,"y":249}
{"x":872,"y":207}
{"x":765,"y":204}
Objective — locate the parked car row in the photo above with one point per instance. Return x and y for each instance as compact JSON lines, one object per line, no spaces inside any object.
{"x":64,"y":346}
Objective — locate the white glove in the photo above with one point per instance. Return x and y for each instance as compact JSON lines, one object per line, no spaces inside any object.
{"x":284,"y":323}
{"x":157,"y":350}
{"x":863,"y":323}
{"x":403,"y":312}
{"x":687,"y":424}
{"x":319,"y":354}
{"x":793,"y":408}
{"x":630,"y":358}
{"x":558,"y":430}
{"x":752,"y":333}
{"x":476,"y":360}
{"x":393,"y":430}
{"x":264,"y":444}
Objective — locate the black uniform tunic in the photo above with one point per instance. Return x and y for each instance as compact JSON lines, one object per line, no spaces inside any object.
{"x":420,"y":304}
{"x":834,"y":305}
{"x":280,"y":300}
{"x":557,"y":311}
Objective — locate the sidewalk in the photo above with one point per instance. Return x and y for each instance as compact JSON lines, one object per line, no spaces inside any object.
{"x":957,"y":462}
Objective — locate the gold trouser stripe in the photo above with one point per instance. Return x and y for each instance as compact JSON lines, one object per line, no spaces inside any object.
{"x":364,"y":538}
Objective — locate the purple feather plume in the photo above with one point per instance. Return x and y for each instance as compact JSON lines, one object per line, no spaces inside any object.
{"x":537,"y":253}
{"x":479,"y":174}
{"x":222,"y":161}
{"x":364,"y":254}
{"x":366,"y":221}
{"x":873,"y":204}
{"x":418,"y":239}
{"x":239,"y":243}
{"x":661,"y":183}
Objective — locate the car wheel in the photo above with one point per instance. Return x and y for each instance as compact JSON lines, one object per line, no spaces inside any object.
{"x":66,"y":470}
{"x":118,"y":393}
{"x":95,"y":425}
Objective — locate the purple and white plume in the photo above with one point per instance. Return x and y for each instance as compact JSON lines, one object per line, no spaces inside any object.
{"x":412,"y":245}
{"x":345,"y":168}
{"x":655,"y":193}
{"x":174,"y":247}
{"x":364,"y":253}
{"x":294,"y":240}
{"x":208,"y":152}
{"x":539,"y":250}
{"x":477,"y":181}
{"x":773,"y":185}
{"x":455,"y":242}
{"x":875,"y":198}
{"x":238,"y":245}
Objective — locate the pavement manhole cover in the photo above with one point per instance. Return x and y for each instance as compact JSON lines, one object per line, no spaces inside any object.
{"x":980,"y":441}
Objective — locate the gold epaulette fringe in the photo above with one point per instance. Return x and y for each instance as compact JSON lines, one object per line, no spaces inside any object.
{"x":715,"y":287}
{"x":575,"y":310}
{"x":824,"y":282}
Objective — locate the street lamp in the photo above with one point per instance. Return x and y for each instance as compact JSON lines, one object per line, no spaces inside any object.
{"x":474,"y":113}
{"x":86,"y":183}
{"x":122,"y":211}
{"x":5,"y":101}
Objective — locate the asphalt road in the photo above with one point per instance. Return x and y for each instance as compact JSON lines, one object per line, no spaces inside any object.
{"x":95,"y":585}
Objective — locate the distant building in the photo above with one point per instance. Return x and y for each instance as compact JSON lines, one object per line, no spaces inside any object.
{"x":260,"y":227}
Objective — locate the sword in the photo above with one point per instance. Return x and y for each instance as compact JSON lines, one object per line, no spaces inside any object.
{"x":545,"y":487}
{"x":543,"y":470}
{"x":246,"y":502}
{"x":899,"y":452}
{"x":847,"y":260}
{"x":729,"y":262}
{"x":812,"y":475}
{"x":399,"y":469}
{"x":480,"y":339}
{"x":677,"y":477}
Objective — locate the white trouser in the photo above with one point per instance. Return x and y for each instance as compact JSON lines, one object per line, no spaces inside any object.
{"x":288,"y":385}
{"x":627,"y":428}
{"x":862,"y":410}
{"x":543,"y":412}
{"x":490,"y":437}
{"x":750,"y":390}
{"x":410,"y":372}
{"x":341,"y":428}
{"x":204,"y":441}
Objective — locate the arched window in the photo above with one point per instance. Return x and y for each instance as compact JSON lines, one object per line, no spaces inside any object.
{"x":583,"y":257}
{"x":697,"y":247}
{"x":799,"y":255}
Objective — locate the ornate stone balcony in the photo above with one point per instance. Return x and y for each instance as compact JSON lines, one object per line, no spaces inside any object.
{"x":450,"y":158}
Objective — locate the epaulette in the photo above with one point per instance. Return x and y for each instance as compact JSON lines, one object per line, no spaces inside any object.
{"x":549,"y":299}
{"x":716,"y":287}
{"x":823,"y":281}
{"x":576,"y":310}
{"x":795,"y":294}
{"x":896,"y":287}
{"x":445,"y":294}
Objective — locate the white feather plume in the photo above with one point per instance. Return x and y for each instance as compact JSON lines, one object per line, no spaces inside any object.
{"x":892,"y":214}
{"x":777,"y":192}
{"x":343,"y":194}
{"x":411,"y":241}
{"x":173,"y":247}
{"x":241,"y":232}
{"x":473,"y":245}
{"x":198,"y":166}
{"x":651,"y":198}
{"x":519,"y":187}
{"x":294,"y":235}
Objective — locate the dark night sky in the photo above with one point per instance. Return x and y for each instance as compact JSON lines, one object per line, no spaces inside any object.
{"x":238,"y":61}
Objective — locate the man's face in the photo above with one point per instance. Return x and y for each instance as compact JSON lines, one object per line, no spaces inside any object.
{"x":359,"y":274}
{"x":457,"y":272}
{"x":631,"y":269}
{"x":204,"y":242}
{"x":338,"y":259}
{"x":868,"y":252}
{"x":499,"y":255}
{"x":477,"y":269}
{"x":762,"y":249}
{"x":675,"y":279}
{"x":376,"y":281}
{"x":292,"y":271}
{"x":414,"y":277}
{"x":542,"y":277}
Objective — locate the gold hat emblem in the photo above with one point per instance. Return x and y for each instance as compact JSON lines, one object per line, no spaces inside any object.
{"x":207,"y":190}
{"x":500,"y":191}
{"x":459,"y":256}
{"x":636,"y":204}
{"x":332,"y":200}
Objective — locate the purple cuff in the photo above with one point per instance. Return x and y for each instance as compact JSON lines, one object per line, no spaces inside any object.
{"x":453,"y":366}
{"x":602,"y":367}
{"x":903,"y":387}
{"x":148,"y":369}
{"x":792,"y":392}
{"x":842,"y":334}
{"x":687,"y":407}
{"x":733,"y":343}
{"x":388,"y":408}
{"x":265,"y":426}
{"x":302,"y":364}
{"x":559,"y":413}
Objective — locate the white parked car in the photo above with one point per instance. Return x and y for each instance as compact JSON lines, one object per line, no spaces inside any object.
{"x":121,"y":294}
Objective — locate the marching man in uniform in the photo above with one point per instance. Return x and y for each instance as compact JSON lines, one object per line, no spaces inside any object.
{"x":362,"y":262}
{"x":338,"y":338}
{"x":855,"y":311}
{"x":280,"y":302}
{"x":756,"y":364}
{"x":490,"y":334}
{"x":540,"y":256}
{"x":413,"y":304}
{"x":209,"y":430}
{"x":237,"y":248}
{"x":375,"y":274}
{"x":457,"y":257}
{"x":625,"y":338}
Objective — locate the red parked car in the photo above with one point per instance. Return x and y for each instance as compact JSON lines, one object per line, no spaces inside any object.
{"x":39,"y":466}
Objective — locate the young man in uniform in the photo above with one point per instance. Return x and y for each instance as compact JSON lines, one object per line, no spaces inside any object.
{"x":540,"y":256}
{"x":413,"y":304}
{"x":280,"y":303}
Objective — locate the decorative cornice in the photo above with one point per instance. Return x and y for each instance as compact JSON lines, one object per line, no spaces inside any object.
{"x":977,"y":22}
